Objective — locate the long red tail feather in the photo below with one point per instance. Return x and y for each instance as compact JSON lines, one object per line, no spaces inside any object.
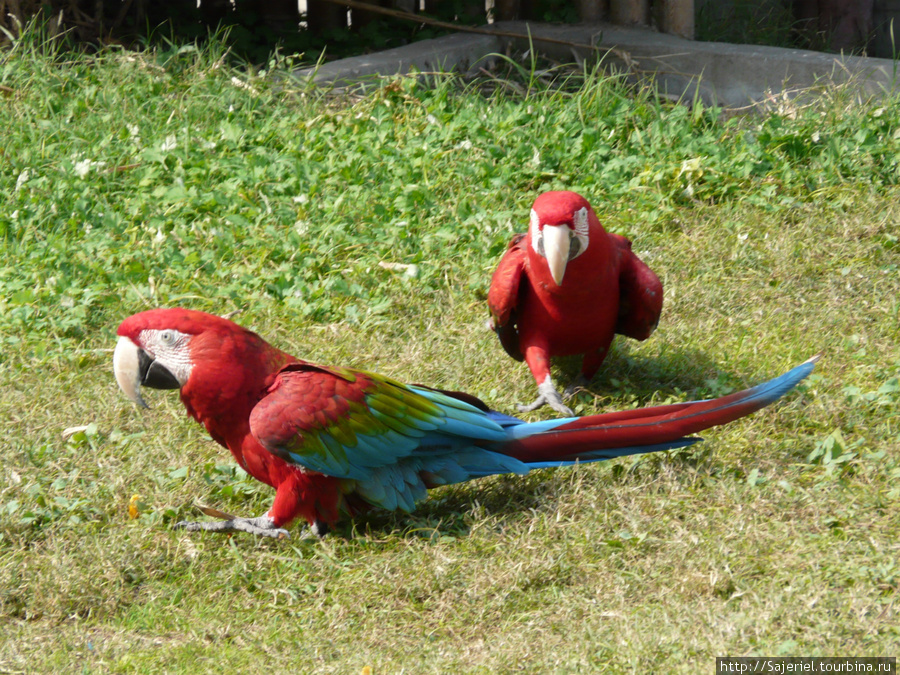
{"x":651,"y":426}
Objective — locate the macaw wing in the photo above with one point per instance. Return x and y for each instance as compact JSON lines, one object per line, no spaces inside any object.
{"x":349,"y":424}
{"x":640,"y":293}
{"x":503,"y":296}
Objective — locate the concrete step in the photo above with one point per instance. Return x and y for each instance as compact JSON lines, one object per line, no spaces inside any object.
{"x":729,"y":75}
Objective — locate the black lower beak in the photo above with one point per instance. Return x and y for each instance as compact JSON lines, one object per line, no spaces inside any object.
{"x":154,"y":375}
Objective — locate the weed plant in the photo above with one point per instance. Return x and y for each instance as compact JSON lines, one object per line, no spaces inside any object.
{"x":132,"y":180}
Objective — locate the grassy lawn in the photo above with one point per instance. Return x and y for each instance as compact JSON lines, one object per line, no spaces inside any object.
{"x":164,"y":178}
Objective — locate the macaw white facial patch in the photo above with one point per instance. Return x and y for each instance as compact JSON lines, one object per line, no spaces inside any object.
{"x":170,"y":348}
{"x":580,"y":237}
{"x":535,"y":228}
{"x":580,"y":221}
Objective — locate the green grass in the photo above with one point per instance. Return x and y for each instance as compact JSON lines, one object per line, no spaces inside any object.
{"x":131,"y":180}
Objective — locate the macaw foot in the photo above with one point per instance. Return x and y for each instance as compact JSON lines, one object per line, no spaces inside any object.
{"x":579,"y":382}
{"x":262,"y":526}
{"x":548,"y":396}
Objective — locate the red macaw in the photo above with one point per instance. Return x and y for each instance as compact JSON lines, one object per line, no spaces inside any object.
{"x":334,"y":440}
{"x":566,"y":287}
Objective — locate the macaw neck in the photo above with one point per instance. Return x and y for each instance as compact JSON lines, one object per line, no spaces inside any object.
{"x":228,"y":379}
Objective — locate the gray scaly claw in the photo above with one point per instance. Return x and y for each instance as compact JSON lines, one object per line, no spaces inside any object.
{"x":262,"y":526}
{"x":548,"y":396}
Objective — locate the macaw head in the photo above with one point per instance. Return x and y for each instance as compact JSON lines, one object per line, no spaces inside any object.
{"x":177,"y":348}
{"x":561,"y":227}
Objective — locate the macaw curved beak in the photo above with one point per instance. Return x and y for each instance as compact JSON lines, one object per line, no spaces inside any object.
{"x":134,"y":367}
{"x":557,"y":240}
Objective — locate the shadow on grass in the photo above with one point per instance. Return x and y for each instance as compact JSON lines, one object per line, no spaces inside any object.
{"x":687,"y":374}
{"x":500,"y":502}
{"x":452,"y":511}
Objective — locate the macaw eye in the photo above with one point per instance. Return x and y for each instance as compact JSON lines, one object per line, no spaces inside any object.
{"x":540,"y":246}
{"x":167,"y":337}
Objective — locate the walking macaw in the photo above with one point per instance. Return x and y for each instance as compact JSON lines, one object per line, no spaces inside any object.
{"x":335,"y":441}
{"x":567,"y":287}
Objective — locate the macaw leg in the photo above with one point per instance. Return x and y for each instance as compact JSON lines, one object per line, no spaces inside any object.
{"x":263,"y":526}
{"x":539,"y":363}
{"x":590,"y":364}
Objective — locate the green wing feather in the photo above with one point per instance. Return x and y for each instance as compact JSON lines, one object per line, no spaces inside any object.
{"x":347,"y":423}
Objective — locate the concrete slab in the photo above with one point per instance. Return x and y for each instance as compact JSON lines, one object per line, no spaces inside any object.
{"x":458,"y":52}
{"x":730,"y":75}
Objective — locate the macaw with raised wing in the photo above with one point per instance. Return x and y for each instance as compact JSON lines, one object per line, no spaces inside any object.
{"x":335,"y":441}
{"x":567,"y":287}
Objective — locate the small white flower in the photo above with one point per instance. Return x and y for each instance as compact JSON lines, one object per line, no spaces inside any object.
{"x":743,"y":237}
{"x":83,"y":168}
{"x":408,"y":270}
{"x":301,"y":227}
{"x":15,"y":214}
{"x":240,"y":84}
{"x":135,"y":133}
{"x":815,"y":137}
{"x":431,"y":119}
{"x":464,"y":145}
{"x":690,"y":166}
{"x":159,"y":238}
{"x":22,"y":179}
{"x":300,"y":199}
{"x":536,"y":158}
{"x":169,"y":144}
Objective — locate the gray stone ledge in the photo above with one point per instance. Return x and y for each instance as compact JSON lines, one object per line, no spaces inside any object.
{"x":726,"y":74}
